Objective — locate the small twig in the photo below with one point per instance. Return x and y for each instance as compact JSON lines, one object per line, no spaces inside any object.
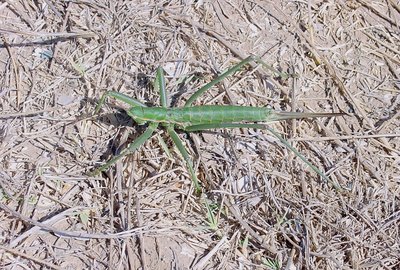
{"x":377,"y":12}
{"x":379,"y":41}
{"x":32,"y":113}
{"x":29,"y":257}
{"x":395,"y":5}
{"x":206,"y":258}
{"x":349,"y":137}
{"x":233,"y":209}
{"x":79,"y":235}
{"x":140,"y":235}
{"x":14,"y":65}
{"x":63,"y":26}
{"x":45,"y":34}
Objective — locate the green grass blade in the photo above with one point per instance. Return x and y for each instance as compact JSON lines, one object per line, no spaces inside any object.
{"x":212,"y":220}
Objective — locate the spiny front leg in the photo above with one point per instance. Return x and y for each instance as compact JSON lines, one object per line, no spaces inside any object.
{"x":130,"y":149}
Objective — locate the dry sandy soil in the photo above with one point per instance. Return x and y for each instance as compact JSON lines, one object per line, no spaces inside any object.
{"x":261,"y":206}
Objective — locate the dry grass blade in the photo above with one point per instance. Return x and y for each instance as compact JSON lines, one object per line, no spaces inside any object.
{"x":58,"y":58}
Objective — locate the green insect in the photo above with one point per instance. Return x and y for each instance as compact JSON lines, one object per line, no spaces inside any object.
{"x":197,"y":118}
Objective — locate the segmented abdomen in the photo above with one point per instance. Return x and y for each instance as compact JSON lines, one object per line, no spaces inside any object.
{"x":210,"y":114}
{"x":207,"y":114}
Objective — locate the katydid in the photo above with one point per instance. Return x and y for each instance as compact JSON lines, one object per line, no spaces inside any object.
{"x":197,"y":118}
